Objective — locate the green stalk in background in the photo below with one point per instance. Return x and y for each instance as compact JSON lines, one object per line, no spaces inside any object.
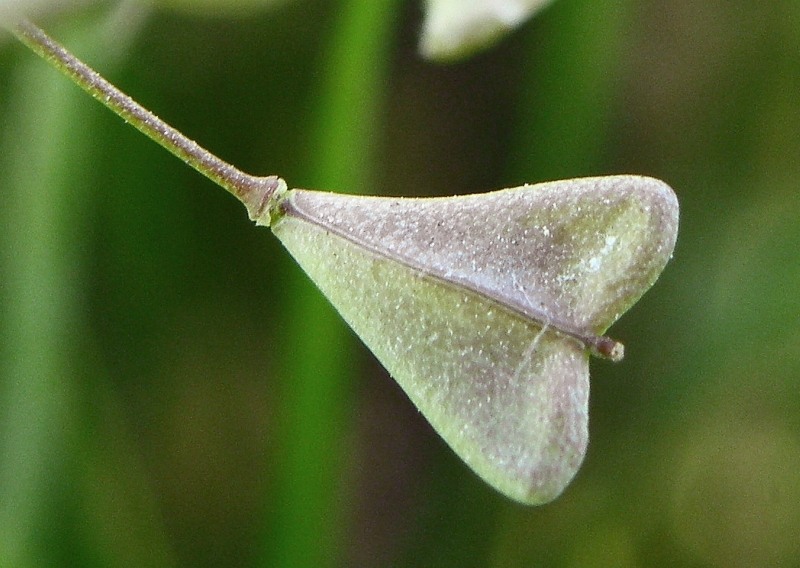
{"x":566,"y":97}
{"x":305,"y":532}
{"x":39,"y":312}
{"x":49,"y":459}
{"x":310,"y":496}
{"x":567,"y":90}
{"x":41,"y":323}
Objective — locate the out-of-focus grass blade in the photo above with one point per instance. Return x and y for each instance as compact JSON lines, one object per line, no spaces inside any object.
{"x":567,"y":90}
{"x":52,"y":459}
{"x":306,"y":521}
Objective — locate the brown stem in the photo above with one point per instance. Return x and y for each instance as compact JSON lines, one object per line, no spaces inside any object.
{"x":258,"y":194}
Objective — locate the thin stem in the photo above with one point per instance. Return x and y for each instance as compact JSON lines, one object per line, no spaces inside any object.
{"x":258,"y":194}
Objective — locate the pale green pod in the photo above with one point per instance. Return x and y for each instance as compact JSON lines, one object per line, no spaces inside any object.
{"x":485,"y":307}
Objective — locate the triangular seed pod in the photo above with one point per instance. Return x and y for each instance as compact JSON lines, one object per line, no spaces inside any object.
{"x":485,"y":307}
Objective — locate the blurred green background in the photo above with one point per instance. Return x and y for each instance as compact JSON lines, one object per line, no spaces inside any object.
{"x":174,"y":392}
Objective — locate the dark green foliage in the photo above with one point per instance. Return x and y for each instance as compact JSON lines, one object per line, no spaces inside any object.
{"x":173,"y":392}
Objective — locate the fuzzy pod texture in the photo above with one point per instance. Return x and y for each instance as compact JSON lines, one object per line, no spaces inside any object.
{"x":476,"y":304}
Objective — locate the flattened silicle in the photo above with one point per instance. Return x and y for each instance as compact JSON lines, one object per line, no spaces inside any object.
{"x":485,"y":307}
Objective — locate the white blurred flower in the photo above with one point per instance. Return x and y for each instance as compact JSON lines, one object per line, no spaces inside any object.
{"x":455,"y":28}
{"x":14,"y":10}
